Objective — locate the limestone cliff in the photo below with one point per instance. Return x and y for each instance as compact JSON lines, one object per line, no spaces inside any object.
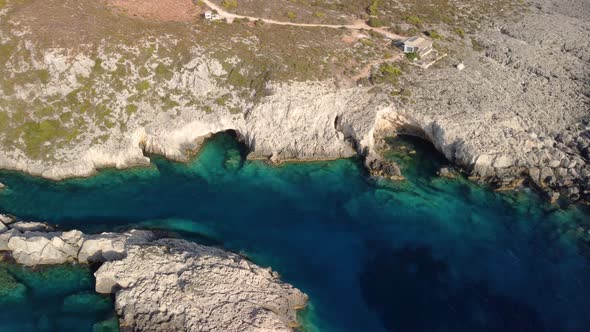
{"x":518,"y":111}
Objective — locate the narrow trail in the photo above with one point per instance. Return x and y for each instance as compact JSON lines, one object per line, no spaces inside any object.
{"x":359,"y":25}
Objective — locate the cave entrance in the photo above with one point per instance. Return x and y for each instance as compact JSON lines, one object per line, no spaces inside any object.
{"x":416,"y":156}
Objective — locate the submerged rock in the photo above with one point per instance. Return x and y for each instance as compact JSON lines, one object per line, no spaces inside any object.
{"x":110,"y":325}
{"x":384,"y":168}
{"x":447,"y":172}
{"x":86,"y":303}
{"x":10,"y":289}
{"x":176,"y":285}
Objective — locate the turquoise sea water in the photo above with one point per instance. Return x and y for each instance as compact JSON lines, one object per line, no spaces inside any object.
{"x":428,"y":254}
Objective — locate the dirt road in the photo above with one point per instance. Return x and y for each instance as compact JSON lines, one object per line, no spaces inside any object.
{"x":359,"y":25}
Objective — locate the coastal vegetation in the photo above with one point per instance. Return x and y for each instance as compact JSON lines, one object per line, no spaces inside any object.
{"x":229,"y":4}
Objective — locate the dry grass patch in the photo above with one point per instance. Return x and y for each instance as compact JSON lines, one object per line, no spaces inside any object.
{"x":159,"y":10}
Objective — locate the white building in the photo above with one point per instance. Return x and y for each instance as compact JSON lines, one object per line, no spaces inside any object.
{"x":210,"y":16}
{"x":418,"y":45}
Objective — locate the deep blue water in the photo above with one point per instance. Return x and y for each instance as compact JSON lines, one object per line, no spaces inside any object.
{"x":428,"y":254}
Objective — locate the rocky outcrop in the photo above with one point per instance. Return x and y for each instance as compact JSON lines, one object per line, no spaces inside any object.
{"x":167,"y":284}
{"x":109,"y":246}
{"x":42,"y":246}
{"x":519,"y":111}
{"x":30,"y":226}
{"x":6,"y":219}
{"x":175,"y":285}
{"x":382,"y":168}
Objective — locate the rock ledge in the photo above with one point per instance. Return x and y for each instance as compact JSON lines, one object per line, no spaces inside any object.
{"x":164,"y":284}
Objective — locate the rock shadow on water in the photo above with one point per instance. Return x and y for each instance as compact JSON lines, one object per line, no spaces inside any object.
{"x":412,"y":291}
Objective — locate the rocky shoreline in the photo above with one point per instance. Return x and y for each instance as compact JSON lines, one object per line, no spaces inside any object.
{"x":163,"y":284}
{"x":517,"y":114}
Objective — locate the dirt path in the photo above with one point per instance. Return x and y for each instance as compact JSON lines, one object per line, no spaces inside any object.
{"x":359,"y":25}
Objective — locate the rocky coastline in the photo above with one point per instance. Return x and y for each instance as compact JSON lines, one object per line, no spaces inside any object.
{"x":163,"y":284}
{"x":517,"y":114}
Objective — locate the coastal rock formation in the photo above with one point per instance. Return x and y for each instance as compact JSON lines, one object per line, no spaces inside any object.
{"x":517,"y":111}
{"x":6,"y":219}
{"x":175,"y":285}
{"x":520,"y":109}
{"x":35,"y":243}
{"x":167,"y":284}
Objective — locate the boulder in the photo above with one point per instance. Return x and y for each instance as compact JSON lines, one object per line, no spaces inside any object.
{"x":5,"y":237}
{"x":33,"y":248}
{"x":447,"y":172}
{"x":3,"y":228}
{"x":102,"y":248}
{"x":30,"y":226}
{"x":385,"y":169}
{"x":175,"y":285}
{"x":503,"y":161}
{"x":107,"y":247}
{"x":6,"y":219}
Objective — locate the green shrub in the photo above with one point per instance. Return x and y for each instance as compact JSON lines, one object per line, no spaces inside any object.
{"x":477,"y":46}
{"x":373,"y":9}
{"x":459,"y":32}
{"x":291,"y":15}
{"x":229,"y":4}
{"x":163,"y":72}
{"x":435,"y":35}
{"x":223,"y":99}
{"x":414,"y":20}
{"x":412,"y":56}
{"x":388,"y":69}
{"x":130,"y":109}
{"x":387,"y":73}
{"x":142,"y":86}
{"x":375,"y":22}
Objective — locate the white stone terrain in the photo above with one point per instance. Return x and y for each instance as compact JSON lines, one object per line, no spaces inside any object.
{"x":166,"y":284}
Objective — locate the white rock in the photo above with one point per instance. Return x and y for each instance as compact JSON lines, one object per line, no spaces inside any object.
{"x":461,"y":66}
{"x":173,"y":285}
{"x":109,"y":246}
{"x":36,"y":250}
{"x":503,"y":161}
{"x":5,"y":219}
{"x":5,"y":237}
{"x":30,"y":226}
{"x":102,"y":248}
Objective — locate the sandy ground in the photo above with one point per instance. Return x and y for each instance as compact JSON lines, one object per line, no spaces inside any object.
{"x":161,"y":10}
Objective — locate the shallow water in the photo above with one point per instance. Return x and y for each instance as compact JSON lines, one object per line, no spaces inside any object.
{"x":59,"y":298}
{"x":428,"y":254}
